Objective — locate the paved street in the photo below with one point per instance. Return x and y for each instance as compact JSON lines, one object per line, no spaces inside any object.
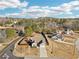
{"x":7,"y":52}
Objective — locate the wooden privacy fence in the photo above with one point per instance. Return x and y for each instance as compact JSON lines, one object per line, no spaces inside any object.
{"x":61,"y":49}
{"x":23,"y":50}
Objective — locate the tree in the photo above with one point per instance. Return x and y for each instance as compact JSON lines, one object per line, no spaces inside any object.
{"x":75,"y":25}
{"x":28,"y":31}
{"x":1,"y":24}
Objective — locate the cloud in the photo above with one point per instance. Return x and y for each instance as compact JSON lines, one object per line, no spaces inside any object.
{"x":12,"y":3}
{"x":41,"y":11}
{"x":77,"y":8}
{"x":76,"y":16}
{"x":65,"y":8}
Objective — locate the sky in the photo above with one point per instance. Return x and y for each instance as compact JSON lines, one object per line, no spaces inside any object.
{"x":39,"y":8}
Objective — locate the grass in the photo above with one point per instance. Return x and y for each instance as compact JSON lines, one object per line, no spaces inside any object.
{"x":10,"y":33}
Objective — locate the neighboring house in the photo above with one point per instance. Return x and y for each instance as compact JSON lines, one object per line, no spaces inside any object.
{"x":17,"y":27}
{"x":52,"y":25}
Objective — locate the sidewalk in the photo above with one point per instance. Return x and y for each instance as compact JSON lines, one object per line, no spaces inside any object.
{"x":43,"y":52}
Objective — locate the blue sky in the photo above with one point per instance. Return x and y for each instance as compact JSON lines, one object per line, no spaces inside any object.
{"x":47,"y":2}
{"x":39,"y":8}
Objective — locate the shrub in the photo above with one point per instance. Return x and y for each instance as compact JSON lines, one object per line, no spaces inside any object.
{"x":28,"y":31}
{"x":10,"y":33}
